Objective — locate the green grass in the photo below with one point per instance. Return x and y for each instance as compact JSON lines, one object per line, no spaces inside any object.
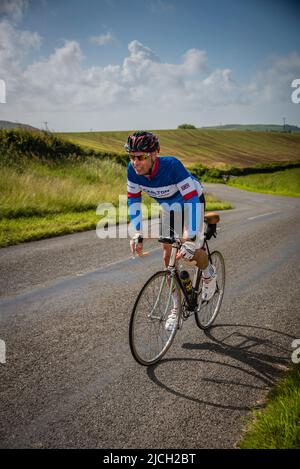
{"x":212,"y":148}
{"x":49,"y":186}
{"x":43,"y":199}
{"x":40,"y":189}
{"x":285,"y":182}
{"x":278,"y":425}
{"x":18,"y":230}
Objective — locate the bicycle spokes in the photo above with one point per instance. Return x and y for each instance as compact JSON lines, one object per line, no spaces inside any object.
{"x":149,"y":337}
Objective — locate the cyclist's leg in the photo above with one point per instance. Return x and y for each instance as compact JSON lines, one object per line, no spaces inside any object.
{"x":167,"y":248}
{"x":202,"y":261}
{"x":200,"y":256}
{"x":208,"y":270}
{"x":172,"y":318}
{"x":166,"y":230}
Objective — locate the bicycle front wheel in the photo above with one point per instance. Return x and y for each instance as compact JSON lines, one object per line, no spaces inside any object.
{"x":207,"y":311}
{"x":148,"y":337}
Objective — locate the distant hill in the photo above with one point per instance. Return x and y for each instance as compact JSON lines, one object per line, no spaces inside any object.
{"x":256,"y":127}
{"x":16,"y":125}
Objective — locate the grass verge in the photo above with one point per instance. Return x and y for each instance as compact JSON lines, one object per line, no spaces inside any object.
{"x":278,"y":425}
{"x":286,"y":182}
{"x":41,"y":199}
{"x":20,"y":229}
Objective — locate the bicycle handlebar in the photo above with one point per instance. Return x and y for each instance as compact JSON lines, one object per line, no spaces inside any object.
{"x":170,"y":240}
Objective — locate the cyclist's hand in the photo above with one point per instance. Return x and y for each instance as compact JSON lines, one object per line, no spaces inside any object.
{"x":187,"y":250}
{"x":136,"y":245}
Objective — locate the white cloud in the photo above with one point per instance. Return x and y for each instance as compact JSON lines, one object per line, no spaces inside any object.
{"x":13,"y":9}
{"x":273,"y":83}
{"x":140,"y":53}
{"x":103,"y":39}
{"x":157,"y":6}
{"x":14,"y":49}
{"x":195,"y":61}
{"x":142,"y":86}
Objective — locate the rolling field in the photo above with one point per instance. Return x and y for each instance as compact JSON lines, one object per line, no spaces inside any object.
{"x":212,"y":148}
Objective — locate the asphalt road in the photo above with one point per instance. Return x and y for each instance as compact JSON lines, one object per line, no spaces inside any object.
{"x":69,"y":379}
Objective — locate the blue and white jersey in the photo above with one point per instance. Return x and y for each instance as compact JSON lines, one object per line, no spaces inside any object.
{"x":169,"y":183}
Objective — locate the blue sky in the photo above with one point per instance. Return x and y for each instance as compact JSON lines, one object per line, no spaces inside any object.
{"x":239,"y":34}
{"x":203,"y":62}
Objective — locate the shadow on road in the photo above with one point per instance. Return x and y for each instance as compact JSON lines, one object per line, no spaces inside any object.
{"x":262,"y":359}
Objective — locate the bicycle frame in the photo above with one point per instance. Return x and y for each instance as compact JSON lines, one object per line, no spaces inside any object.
{"x":191,"y":300}
{"x":152,"y":315}
{"x":149,"y":340}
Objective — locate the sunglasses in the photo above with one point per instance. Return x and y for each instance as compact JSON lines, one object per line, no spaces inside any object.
{"x":142,"y":157}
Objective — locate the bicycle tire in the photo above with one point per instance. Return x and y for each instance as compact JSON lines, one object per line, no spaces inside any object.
{"x":207,"y":312}
{"x":147,"y":317}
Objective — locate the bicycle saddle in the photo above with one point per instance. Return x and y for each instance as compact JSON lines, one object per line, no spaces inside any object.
{"x":211,"y":218}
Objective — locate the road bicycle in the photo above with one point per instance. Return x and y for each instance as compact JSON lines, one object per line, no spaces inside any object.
{"x":149,"y":340}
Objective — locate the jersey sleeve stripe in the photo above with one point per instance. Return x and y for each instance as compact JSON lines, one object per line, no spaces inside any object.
{"x":190,"y":195}
{"x":136,"y":195}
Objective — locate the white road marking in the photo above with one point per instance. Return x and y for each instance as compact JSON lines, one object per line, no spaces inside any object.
{"x":262,"y":215}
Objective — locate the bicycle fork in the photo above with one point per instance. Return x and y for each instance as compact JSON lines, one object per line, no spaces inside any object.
{"x":162,"y":316}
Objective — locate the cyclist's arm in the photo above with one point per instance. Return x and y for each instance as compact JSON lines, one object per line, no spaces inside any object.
{"x":190,"y":193}
{"x":134,"y":198}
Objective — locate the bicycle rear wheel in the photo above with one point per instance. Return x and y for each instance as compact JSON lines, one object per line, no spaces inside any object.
{"x":207,"y":311}
{"x":149,"y":340}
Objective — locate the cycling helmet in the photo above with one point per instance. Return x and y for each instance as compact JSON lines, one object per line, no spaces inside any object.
{"x":142,"y":141}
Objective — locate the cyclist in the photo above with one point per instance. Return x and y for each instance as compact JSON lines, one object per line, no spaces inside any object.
{"x":181,"y":196}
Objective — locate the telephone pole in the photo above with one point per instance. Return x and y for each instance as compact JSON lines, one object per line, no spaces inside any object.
{"x":46,"y":126}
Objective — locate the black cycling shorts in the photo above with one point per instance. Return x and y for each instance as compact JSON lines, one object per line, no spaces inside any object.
{"x":172,"y":223}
